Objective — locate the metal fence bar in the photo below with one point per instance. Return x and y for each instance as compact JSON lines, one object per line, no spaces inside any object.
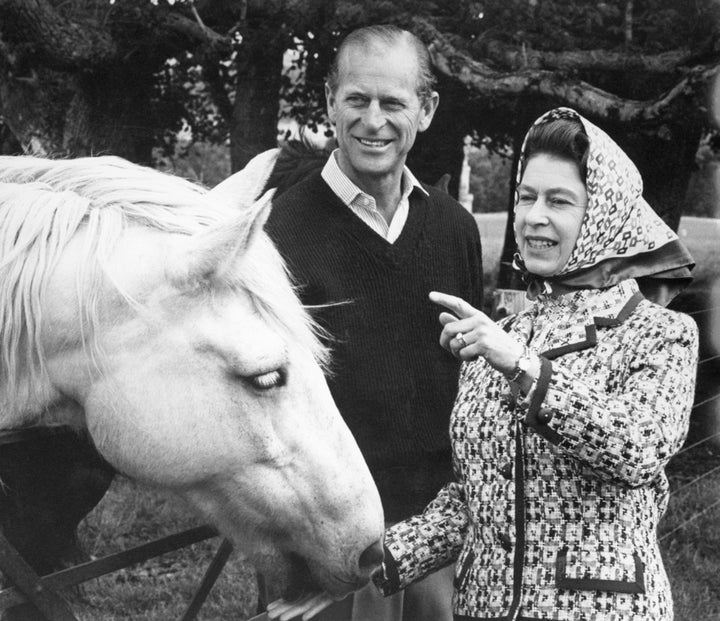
{"x":27,"y":582}
{"x":211,"y":575}
{"x":12,"y":596}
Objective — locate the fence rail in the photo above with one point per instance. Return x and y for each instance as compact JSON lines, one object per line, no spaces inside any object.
{"x":41,"y":591}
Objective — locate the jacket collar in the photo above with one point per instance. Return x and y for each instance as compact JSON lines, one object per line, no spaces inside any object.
{"x":576,"y":316}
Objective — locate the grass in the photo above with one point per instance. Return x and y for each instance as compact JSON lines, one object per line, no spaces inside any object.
{"x":689,"y":534}
{"x":160,"y":589}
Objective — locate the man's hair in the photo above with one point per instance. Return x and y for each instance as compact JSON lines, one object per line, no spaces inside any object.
{"x":389,"y":35}
{"x":562,"y":138}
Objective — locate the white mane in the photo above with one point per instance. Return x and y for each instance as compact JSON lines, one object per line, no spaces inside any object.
{"x":43,"y":203}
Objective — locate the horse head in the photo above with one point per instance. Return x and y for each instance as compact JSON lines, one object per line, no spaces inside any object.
{"x":172,"y":332}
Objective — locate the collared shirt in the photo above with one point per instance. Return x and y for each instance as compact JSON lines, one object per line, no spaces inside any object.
{"x":363,"y":205}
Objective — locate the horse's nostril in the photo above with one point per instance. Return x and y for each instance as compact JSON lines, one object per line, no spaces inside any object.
{"x":372,"y":557}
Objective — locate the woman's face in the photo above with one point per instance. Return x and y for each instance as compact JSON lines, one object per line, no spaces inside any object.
{"x":551,"y":204}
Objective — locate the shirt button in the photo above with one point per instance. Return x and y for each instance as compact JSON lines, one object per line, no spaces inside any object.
{"x":507,"y":470}
{"x":544,"y":416}
{"x":505,"y":541}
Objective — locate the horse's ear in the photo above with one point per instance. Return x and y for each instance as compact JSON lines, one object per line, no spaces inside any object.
{"x":211,"y":255}
{"x":245,"y":186}
{"x":443,"y":184}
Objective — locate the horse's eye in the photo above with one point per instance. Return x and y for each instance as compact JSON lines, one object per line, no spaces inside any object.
{"x":268,"y":380}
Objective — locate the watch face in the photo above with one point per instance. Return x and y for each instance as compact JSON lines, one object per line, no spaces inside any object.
{"x":524,"y":364}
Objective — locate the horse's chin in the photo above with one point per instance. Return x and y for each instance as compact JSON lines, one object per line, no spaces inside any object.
{"x":300,"y":580}
{"x":291,"y":577}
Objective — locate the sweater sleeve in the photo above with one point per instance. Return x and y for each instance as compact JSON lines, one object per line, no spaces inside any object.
{"x":630,"y":435}
{"x":424,"y":543}
{"x":476,"y":266}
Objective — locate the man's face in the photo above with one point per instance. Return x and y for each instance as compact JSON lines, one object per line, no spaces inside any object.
{"x":376,"y":111}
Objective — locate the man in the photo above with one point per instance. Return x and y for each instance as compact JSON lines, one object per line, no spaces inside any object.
{"x":366,"y":242}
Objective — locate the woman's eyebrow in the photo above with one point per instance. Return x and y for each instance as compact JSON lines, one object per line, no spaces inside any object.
{"x":552,"y":190}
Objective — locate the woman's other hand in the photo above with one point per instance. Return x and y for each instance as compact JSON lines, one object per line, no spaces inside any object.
{"x":468,"y":333}
{"x":307,"y":606}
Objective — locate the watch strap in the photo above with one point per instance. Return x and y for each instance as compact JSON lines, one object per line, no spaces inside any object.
{"x":520,"y":368}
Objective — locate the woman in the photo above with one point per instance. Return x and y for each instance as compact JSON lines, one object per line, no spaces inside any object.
{"x":568,"y":411}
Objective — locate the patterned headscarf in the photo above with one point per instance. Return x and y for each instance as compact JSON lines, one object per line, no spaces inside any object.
{"x":621,"y":236}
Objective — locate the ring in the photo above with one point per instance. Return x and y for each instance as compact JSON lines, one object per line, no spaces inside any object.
{"x":460,"y":338}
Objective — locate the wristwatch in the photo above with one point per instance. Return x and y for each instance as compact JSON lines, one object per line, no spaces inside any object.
{"x":522,"y":365}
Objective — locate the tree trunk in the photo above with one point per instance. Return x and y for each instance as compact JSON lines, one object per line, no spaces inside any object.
{"x":665,"y":159}
{"x":257,"y":92}
{"x":439,"y":149}
{"x":33,"y":108}
{"x":60,"y":114}
{"x":109,"y":114}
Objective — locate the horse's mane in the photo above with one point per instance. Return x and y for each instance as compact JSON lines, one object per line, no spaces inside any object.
{"x":43,"y":203}
{"x":297,"y":160}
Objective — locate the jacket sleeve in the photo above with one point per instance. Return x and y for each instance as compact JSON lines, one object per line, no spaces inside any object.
{"x":627,"y":434}
{"x":424,"y":543}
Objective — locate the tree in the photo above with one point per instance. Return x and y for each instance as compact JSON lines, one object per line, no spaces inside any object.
{"x":639,"y":69}
{"x":114,"y":76}
{"x":103,"y":76}
{"x":80,"y":77}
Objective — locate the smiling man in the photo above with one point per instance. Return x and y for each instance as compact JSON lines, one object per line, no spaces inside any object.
{"x":366,"y":242}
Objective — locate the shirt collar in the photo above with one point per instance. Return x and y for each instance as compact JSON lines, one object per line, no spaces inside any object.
{"x":347,"y":191}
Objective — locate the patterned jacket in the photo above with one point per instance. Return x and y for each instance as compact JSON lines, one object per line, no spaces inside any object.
{"x":555,"y":511}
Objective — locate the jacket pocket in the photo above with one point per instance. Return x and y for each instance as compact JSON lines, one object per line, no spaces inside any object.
{"x":600,"y":568}
{"x":461,"y":575}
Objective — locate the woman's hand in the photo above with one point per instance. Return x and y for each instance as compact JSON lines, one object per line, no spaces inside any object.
{"x":307,"y":606}
{"x":468,"y":333}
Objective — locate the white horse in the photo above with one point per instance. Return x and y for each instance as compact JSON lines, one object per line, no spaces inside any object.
{"x":158,"y":316}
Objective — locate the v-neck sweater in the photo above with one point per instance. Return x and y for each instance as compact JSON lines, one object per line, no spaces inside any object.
{"x":392,"y":382}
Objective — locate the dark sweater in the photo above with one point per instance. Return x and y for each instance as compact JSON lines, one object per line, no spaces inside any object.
{"x":391,"y":380}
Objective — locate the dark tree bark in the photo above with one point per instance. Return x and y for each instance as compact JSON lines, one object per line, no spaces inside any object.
{"x":511,"y":58}
{"x":439,"y":150}
{"x":257,"y":94}
{"x":584,"y":97}
{"x":82,"y":83}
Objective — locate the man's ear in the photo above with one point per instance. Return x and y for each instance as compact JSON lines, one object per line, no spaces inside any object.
{"x":330,"y":101}
{"x":429,"y":105}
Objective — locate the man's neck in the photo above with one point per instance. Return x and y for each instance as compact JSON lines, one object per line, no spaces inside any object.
{"x":386,"y":190}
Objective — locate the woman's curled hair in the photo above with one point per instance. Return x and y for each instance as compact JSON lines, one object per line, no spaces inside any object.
{"x":561,"y":138}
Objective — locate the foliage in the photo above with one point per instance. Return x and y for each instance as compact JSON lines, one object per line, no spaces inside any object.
{"x":489,"y":179}
{"x":584,"y":24}
{"x":182,"y":95}
{"x":193,"y":71}
{"x":546,"y":25}
{"x":202,"y":162}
